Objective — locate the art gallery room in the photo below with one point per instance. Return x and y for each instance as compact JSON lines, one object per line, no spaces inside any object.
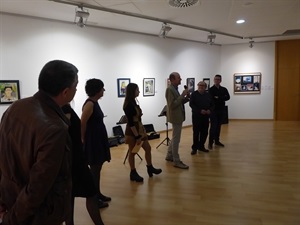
{"x":255,"y":178}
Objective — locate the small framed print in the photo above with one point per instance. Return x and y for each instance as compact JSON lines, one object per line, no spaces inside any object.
{"x":247,"y":83}
{"x":190,"y":83}
{"x":122,"y":84}
{"x":207,"y":81}
{"x":10,"y":91}
{"x":149,"y":87}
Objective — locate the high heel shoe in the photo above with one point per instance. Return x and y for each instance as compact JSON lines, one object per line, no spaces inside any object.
{"x":151,"y":170}
{"x":134,"y":176}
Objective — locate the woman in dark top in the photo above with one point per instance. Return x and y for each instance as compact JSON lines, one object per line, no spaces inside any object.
{"x":94,"y":134}
{"x":135,"y":133}
{"x":82,"y":181}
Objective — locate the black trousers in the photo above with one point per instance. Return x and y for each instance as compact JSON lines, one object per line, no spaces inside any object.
{"x":216,"y":119}
{"x":200,"y":130}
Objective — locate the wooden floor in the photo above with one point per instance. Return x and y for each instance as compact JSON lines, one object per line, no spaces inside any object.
{"x":254,"y":180}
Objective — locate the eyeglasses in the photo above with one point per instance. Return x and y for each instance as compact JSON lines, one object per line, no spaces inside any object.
{"x":202,"y":85}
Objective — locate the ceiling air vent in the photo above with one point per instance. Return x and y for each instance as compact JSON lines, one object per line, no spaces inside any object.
{"x":182,"y":3}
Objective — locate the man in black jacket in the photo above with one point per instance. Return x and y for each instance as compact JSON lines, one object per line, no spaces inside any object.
{"x":219,"y":94}
{"x":202,"y":105}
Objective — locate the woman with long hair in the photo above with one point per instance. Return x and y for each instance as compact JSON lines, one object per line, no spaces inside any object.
{"x":135,"y":133}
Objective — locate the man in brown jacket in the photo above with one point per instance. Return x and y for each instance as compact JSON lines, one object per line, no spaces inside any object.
{"x":35,"y":162}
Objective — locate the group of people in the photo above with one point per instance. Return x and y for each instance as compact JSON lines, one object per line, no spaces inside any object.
{"x":49,"y":155}
{"x":206,"y":107}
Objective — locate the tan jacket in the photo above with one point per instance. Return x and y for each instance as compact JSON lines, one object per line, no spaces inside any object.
{"x":35,"y":162}
{"x":175,"y":105}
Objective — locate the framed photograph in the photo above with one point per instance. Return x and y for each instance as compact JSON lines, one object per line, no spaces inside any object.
{"x":10,"y":91}
{"x":247,"y":83}
{"x":190,"y":83}
{"x":122,"y":84}
{"x":207,"y":81}
{"x":149,"y":87}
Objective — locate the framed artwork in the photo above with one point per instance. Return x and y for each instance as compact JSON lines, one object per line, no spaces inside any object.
{"x":207,"y":81}
{"x":149,"y":87}
{"x":10,"y":91}
{"x":190,"y":83}
{"x":122,"y":84}
{"x":247,"y":83}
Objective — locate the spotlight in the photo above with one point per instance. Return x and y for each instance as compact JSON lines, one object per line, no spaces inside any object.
{"x":164,"y":30}
{"x":251,"y":43}
{"x":211,"y":39}
{"x":81,"y":16}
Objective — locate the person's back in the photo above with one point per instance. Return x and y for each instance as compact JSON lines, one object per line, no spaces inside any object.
{"x":35,"y":162}
{"x":32,"y":125}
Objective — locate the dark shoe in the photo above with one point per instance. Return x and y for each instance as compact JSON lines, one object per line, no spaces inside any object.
{"x":134,"y":176}
{"x":102,"y":204}
{"x":210,"y":146}
{"x":219,"y":144}
{"x":104,"y":198}
{"x":193,"y":152}
{"x":151,"y":170}
{"x":203,"y":149}
{"x":169,"y":159}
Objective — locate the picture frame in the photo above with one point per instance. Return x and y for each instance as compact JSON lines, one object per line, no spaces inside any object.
{"x":122,"y":84}
{"x":190,"y":83}
{"x":148,"y":86}
{"x":207,"y":81}
{"x":247,"y":83}
{"x":9,"y":91}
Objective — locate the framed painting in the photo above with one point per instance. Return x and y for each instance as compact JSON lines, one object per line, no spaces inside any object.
{"x":247,"y":83}
{"x":207,"y":81}
{"x":122,"y":84}
{"x":10,"y":91}
{"x":190,"y":83}
{"x":149,"y":87}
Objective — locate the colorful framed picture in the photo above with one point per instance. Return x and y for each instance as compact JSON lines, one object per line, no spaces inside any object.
{"x":207,"y":81}
{"x":9,"y":91}
{"x":190,"y":83}
{"x":247,"y":83}
{"x":149,"y":87}
{"x":122,"y":84}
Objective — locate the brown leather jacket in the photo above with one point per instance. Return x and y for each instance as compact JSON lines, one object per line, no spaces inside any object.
{"x":35,"y":162}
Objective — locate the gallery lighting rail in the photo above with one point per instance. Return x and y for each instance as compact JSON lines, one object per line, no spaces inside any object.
{"x":136,"y":15}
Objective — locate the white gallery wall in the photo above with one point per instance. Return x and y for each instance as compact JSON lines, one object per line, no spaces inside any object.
{"x":26,"y":44}
{"x":242,"y":59}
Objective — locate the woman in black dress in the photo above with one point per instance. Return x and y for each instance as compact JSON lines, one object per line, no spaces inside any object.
{"x":135,"y":133}
{"x":94,"y":134}
{"x":82,"y":181}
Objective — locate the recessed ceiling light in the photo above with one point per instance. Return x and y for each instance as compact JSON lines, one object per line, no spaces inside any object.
{"x":240,"y":21}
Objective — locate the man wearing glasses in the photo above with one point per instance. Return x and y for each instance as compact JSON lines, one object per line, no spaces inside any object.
{"x":202,"y":106}
{"x":219,"y":95}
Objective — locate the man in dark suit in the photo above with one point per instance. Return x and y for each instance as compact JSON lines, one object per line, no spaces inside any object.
{"x":219,"y":94}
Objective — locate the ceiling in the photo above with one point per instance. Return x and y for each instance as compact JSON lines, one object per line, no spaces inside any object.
{"x":266,"y":20}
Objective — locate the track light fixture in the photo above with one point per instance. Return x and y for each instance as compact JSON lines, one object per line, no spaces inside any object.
{"x":251,"y":43}
{"x":164,"y":30}
{"x":211,"y":38}
{"x":81,"y":16}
